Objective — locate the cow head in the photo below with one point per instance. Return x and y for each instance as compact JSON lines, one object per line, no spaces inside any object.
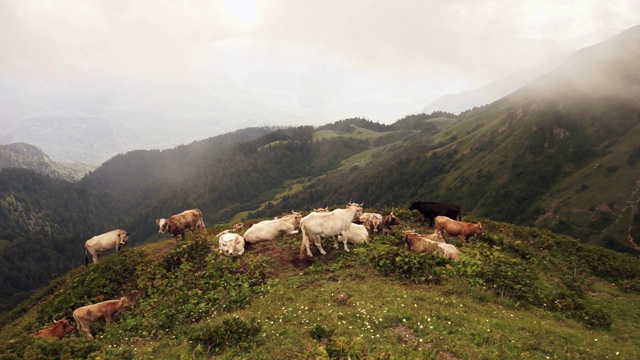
{"x":478,"y":228}
{"x":357,"y":207}
{"x":125,"y":303}
{"x":162,"y":224}
{"x":61,"y":327}
{"x":124,"y":237}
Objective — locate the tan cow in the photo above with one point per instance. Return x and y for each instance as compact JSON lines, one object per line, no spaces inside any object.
{"x":177,"y":225}
{"x":371,"y":221}
{"x":268,"y":230}
{"x":109,"y":310}
{"x":462,"y":229}
{"x":113,"y":239}
{"x":424,"y":244}
{"x":59,"y":329}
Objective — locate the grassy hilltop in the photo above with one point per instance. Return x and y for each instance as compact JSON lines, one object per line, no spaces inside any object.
{"x":516,"y":292}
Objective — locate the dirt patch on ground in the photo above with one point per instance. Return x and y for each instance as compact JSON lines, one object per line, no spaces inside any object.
{"x":283,"y":252}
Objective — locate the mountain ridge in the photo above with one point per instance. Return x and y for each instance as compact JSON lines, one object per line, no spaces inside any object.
{"x":26,"y":156}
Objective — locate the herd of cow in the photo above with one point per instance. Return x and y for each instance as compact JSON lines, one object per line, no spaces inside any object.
{"x":348,"y":225}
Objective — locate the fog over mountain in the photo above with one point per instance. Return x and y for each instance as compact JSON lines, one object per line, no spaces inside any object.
{"x":84,"y":83}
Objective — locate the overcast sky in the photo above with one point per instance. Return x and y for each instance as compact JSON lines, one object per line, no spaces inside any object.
{"x":379,"y":59}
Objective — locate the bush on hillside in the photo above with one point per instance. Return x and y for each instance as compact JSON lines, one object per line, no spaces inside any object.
{"x":233,"y":332}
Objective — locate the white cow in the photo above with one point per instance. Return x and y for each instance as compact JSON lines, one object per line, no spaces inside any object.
{"x":113,"y":239}
{"x":270,"y":229}
{"x":231,"y":243}
{"x":318,"y":225}
{"x":357,"y":234}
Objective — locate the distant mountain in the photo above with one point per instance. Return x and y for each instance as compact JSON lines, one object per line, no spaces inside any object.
{"x":26,"y":156}
{"x":467,"y":100}
{"x":99,"y":115}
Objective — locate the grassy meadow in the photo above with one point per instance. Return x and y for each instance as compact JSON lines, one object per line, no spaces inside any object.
{"x":516,"y":292}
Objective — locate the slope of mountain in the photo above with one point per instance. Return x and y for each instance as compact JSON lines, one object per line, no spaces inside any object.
{"x":546,"y":154}
{"x":467,"y":100}
{"x":26,"y":156}
{"x":514,"y":292}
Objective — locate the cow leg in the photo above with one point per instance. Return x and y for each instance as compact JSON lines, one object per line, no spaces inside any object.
{"x":95,"y":257}
{"x":335,"y":241}
{"x":344,"y":241}
{"x":305,"y":246}
{"x":318,"y":241}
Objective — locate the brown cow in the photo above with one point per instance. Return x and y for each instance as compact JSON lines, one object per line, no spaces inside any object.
{"x":108,"y":310}
{"x":59,"y":329}
{"x":462,"y":229}
{"x":424,"y":244}
{"x":177,"y":225}
{"x":387,"y":222}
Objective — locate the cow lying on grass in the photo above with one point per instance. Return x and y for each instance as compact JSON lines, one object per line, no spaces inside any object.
{"x":270,"y":229}
{"x":109,"y":310}
{"x":424,"y":244}
{"x":59,"y":329}
{"x":357,"y":235}
{"x":461,"y":229}
{"x":230,"y":243}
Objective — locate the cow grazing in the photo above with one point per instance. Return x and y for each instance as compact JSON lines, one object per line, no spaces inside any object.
{"x":270,"y":229}
{"x":318,"y":225}
{"x":113,"y":239}
{"x":177,"y":225}
{"x":231,"y":243}
{"x":357,"y":235}
{"x":109,"y":310}
{"x":371,"y":221}
{"x":59,"y":329}
{"x":462,"y":229}
{"x":423,"y":244}
{"x":430,"y":210}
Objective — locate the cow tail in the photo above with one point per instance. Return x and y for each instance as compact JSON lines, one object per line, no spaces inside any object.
{"x":86,"y":259}
{"x":460,"y":215}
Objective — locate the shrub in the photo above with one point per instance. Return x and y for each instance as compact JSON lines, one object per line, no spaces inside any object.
{"x":420,"y":268}
{"x":321,"y":333}
{"x":233,"y":332}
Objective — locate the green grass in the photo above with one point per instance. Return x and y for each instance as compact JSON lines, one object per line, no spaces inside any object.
{"x":370,"y":303}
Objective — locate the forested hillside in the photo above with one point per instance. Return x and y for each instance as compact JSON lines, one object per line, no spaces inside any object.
{"x":26,"y":156}
{"x":45,"y":221}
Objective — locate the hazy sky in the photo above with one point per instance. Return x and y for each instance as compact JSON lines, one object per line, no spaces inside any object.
{"x":376,"y":59}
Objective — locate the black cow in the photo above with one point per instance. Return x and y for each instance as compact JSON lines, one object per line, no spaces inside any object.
{"x":430,"y":210}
